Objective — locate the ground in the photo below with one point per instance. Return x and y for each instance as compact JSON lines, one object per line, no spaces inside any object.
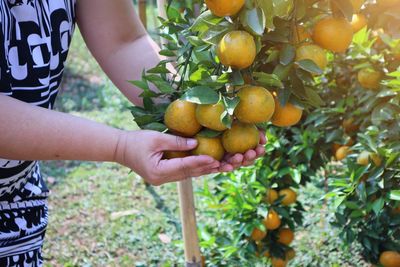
{"x":101,"y":214}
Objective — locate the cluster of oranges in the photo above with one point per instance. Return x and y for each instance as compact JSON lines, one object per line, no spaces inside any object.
{"x":273,"y":226}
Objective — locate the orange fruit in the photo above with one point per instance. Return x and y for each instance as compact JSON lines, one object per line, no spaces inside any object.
{"x":286,"y":116}
{"x":335,"y":147}
{"x":357,"y":4}
{"x":369,"y":78}
{"x":349,"y":126}
{"x":278,"y":262}
{"x":390,"y":259}
{"x":240,"y":138}
{"x":175,"y":154}
{"x":285,"y":236}
{"x":271,"y":196}
{"x":180,"y":118}
{"x":334,"y":34}
{"x":342,"y":152}
{"x":289,"y":196}
{"x":363,"y":158}
{"x":300,"y":34}
{"x":223,"y":8}
{"x":258,"y":235}
{"x":272,"y":221}
{"x":387,"y":3}
{"x":290,"y":254}
{"x":237,"y":49}
{"x":256,"y":105}
{"x":209,"y":146}
{"x":314,"y":53}
{"x":358,"y":22}
{"x":210,"y":116}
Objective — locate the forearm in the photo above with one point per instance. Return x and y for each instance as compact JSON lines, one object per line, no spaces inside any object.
{"x":127,"y":63}
{"x":33,"y":133}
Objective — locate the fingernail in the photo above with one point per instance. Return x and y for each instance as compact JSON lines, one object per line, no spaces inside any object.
{"x":192,"y":142}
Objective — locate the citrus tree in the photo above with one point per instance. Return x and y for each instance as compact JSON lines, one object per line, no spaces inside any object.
{"x":321,"y":78}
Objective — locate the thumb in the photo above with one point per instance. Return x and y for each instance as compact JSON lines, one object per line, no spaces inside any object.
{"x":168,"y":142}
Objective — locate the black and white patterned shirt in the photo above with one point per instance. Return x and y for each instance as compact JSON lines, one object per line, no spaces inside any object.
{"x":35,"y":37}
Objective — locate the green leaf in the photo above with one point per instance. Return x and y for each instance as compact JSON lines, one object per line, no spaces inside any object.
{"x":394,"y":195}
{"x":287,"y":54}
{"x":268,"y":80}
{"x":155,"y":126}
{"x":201,"y":95}
{"x":209,"y":133}
{"x":378,"y":204}
{"x":253,"y":20}
{"x":310,"y":66}
{"x":283,"y":8}
{"x":268,"y":9}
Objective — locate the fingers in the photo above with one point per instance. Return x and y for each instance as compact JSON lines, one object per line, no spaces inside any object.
{"x":260,"y":151}
{"x":182,"y":168}
{"x":168,"y":142}
{"x":263,"y":138}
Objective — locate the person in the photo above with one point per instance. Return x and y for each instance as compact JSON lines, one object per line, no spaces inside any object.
{"x":35,"y":38}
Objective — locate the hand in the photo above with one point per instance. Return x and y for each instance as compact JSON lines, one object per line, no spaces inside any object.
{"x":142,"y":151}
{"x":235,"y":161}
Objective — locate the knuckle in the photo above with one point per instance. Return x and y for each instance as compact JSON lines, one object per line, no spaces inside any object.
{"x":180,"y":142}
{"x":185,"y":169}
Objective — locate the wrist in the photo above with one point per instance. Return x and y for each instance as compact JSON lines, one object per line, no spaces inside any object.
{"x":119,"y":150}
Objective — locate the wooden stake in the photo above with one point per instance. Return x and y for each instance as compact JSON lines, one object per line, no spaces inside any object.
{"x":186,"y":200}
{"x":189,"y":226}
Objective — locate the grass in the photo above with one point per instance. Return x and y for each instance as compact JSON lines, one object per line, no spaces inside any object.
{"x":102,"y":215}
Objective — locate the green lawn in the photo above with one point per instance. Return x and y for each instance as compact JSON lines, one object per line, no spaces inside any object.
{"x":102,"y":215}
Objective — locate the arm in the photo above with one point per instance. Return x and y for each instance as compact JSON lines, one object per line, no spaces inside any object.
{"x":118,"y":41}
{"x":33,"y":133}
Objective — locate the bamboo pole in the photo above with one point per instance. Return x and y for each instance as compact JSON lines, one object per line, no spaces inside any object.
{"x":142,"y":12}
{"x":186,"y":200}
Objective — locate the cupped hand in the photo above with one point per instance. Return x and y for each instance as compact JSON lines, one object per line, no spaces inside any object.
{"x":142,"y":151}
{"x":235,"y":161}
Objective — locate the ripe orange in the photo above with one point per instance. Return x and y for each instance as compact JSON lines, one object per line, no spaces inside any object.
{"x":272,"y":221}
{"x":175,"y":154}
{"x":357,"y":4}
{"x":278,"y":262}
{"x":363,"y":158}
{"x":271,"y":196}
{"x":387,"y":3}
{"x":256,"y":105}
{"x":314,"y":53}
{"x":258,"y":235}
{"x":349,"y":126}
{"x":334,"y":34}
{"x":390,"y":259}
{"x":300,"y":34}
{"x":286,"y":116}
{"x":289,"y":196}
{"x":335,"y":147}
{"x":285,"y":236}
{"x":209,"y":146}
{"x":210,"y":116}
{"x":223,"y":8}
{"x":237,"y":49}
{"x":358,"y":22}
{"x":240,"y":138}
{"x":180,"y":118}
{"x":290,"y":254}
{"x":342,"y":153}
{"x":369,"y":78}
